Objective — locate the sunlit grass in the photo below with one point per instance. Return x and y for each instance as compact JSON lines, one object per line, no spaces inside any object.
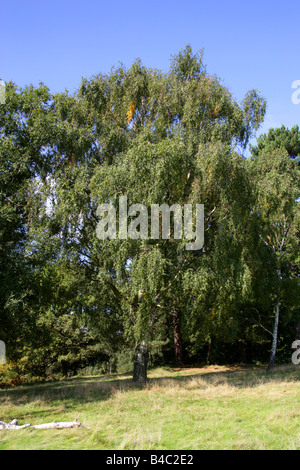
{"x":208,"y":408}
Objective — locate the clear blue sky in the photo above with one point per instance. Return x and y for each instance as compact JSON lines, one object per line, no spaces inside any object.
{"x":248,"y":44}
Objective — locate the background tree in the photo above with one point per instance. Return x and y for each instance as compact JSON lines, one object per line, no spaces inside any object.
{"x":276,"y":178}
{"x":23,"y":159}
{"x":159,"y":167}
{"x":280,"y":137}
{"x":70,"y":299}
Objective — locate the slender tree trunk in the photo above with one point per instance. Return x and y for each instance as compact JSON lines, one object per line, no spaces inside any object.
{"x":209,"y":351}
{"x":177,"y":338}
{"x":275,"y":336}
{"x":275,"y":328}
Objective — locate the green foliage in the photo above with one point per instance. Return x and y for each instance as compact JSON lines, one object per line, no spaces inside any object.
{"x":277,"y":180}
{"x":70,"y":300}
{"x":279,"y":138}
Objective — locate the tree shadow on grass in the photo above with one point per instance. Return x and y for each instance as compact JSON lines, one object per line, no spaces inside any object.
{"x":239,"y":376}
{"x":70,"y":391}
{"x":82,"y":390}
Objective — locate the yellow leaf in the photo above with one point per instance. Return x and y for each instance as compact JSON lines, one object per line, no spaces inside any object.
{"x":131,"y":110}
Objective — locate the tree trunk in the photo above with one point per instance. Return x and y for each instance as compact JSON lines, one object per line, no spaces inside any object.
{"x":209,"y":351}
{"x":140,"y":362}
{"x":276,"y":321}
{"x":275,"y":335}
{"x":177,"y":338}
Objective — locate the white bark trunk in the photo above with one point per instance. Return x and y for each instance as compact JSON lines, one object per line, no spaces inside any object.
{"x":13,"y":425}
{"x":275,"y":336}
{"x":54,"y":425}
{"x":276,"y":322}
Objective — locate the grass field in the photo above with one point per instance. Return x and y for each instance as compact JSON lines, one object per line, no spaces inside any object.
{"x":214,"y":407}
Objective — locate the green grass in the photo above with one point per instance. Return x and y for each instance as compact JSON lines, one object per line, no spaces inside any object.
{"x":188,"y":409}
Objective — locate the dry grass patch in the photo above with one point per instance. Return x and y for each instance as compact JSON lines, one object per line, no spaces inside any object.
{"x":199,"y":408}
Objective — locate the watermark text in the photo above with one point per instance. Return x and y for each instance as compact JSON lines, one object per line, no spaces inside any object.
{"x":2,"y":352}
{"x":296,"y":93}
{"x":2,"y":92}
{"x":296,"y":354}
{"x":189,"y":222}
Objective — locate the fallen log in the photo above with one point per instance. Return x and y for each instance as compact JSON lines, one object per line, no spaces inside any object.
{"x":60,"y":425}
{"x":54,"y":425}
{"x":13,"y":425}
